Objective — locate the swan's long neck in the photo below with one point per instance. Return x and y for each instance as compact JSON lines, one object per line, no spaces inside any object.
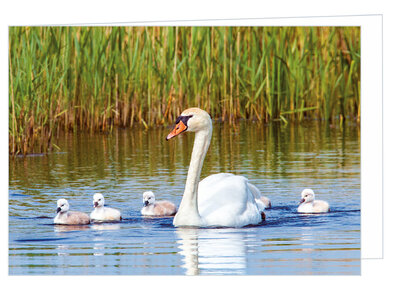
{"x":188,"y":213}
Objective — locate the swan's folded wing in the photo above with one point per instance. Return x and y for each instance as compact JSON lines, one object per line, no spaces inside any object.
{"x":321,"y":206}
{"x":212,"y":180}
{"x":262,"y":201}
{"x":75,"y":218}
{"x":226,"y":200}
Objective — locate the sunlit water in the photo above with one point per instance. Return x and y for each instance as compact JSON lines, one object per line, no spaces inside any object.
{"x":280,"y":160}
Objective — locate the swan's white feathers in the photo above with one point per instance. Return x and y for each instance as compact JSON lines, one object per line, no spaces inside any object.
{"x":66,"y":217}
{"x":105,"y":214}
{"x":262,"y":201}
{"x":193,"y":111}
{"x":221,"y":201}
{"x":199,"y":120}
{"x":211,"y":182}
{"x":101,"y":213}
{"x":72,"y":218}
{"x":159,"y":208}
{"x":310,"y":205}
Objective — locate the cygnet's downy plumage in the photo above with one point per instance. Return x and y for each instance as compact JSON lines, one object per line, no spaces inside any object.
{"x":308,"y":204}
{"x":159,"y":208}
{"x":266,"y":201}
{"x":66,"y":217}
{"x":101,"y":213}
{"x":262,"y":202}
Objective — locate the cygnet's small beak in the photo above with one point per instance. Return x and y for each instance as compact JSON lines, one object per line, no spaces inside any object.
{"x":95,"y":204}
{"x":58,"y":209}
{"x":179,"y":128}
{"x":145,"y":203}
{"x":302,"y":200}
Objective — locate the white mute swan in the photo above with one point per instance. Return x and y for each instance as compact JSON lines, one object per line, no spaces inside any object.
{"x":218,"y":200}
{"x":308,"y":204}
{"x":159,"y":208}
{"x":66,"y":217}
{"x":101,"y":213}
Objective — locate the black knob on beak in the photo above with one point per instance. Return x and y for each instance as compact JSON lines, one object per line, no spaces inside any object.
{"x":96,"y":204}
{"x":145,"y":203}
{"x":58,"y":209}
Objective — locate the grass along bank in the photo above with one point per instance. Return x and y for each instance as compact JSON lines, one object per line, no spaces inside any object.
{"x":97,"y":78}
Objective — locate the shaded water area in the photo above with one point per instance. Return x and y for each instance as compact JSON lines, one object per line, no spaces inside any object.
{"x":280,"y":160}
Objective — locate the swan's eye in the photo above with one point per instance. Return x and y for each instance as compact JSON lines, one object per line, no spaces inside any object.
{"x":184,"y":119}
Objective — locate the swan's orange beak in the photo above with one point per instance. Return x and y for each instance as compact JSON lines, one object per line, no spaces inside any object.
{"x":179,"y":128}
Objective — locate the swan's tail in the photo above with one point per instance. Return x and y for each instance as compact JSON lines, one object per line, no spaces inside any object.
{"x":262,"y":202}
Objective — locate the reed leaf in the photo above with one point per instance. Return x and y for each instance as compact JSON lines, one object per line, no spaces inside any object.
{"x":98,"y":78}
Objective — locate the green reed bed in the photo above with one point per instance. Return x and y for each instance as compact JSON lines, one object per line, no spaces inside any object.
{"x":97,"y":78}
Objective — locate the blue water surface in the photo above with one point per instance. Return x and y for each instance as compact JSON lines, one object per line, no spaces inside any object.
{"x":280,"y":161}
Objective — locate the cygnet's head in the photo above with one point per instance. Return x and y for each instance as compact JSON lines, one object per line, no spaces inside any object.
{"x":307,"y":195}
{"x":98,"y":200}
{"x":62,"y":205}
{"x":193,"y":120}
{"x":148,"y":198}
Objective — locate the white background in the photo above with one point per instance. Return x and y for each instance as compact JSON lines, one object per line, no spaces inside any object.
{"x":380,"y":102}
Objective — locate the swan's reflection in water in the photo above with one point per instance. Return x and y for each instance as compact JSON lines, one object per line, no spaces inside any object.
{"x":189,"y":245}
{"x":99,"y":241}
{"x":213,"y":251}
{"x":307,"y":240}
{"x":106,"y":226}
{"x":69,"y":228}
{"x":62,"y":250}
{"x":61,"y":230}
